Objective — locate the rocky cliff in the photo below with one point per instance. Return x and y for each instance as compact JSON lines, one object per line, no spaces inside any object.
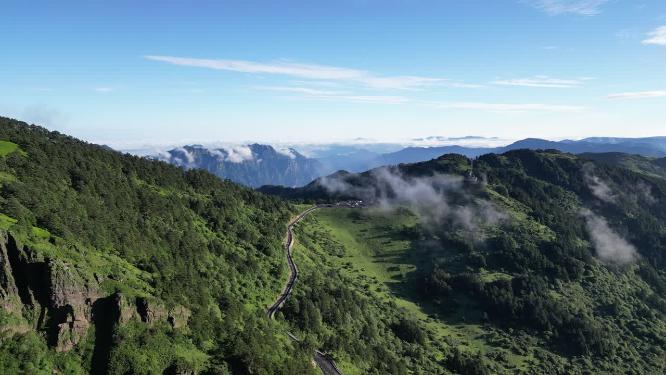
{"x":56,"y":299}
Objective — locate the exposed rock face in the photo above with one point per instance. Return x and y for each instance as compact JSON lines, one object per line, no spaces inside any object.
{"x":8,"y":292}
{"x":178,"y":317}
{"x":65,"y":302}
{"x":70,"y":333}
{"x":55,"y":291}
{"x":127,"y":309}
{"x":70,"y":304}
{"x":151,"y":311}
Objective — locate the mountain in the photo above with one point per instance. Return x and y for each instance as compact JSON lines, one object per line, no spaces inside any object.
{"x":653,"y":146}
{"x":524,"y":262}
{"x":417,"y":154}
{"x":356,"y":161}
{"x":115,"y":264}
{"x":251,"y":165}
{"x":528,"y":262}
{"x":257,"y":165}
{"x":641,"y":164}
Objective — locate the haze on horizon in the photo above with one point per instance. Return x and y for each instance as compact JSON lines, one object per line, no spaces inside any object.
{"x":169,"y":72}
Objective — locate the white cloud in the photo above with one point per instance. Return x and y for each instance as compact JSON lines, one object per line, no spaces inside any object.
{"x":187,"y":157}
{"x":239,"y":154}
{"x":379,"y":99}
{"x":312,"y":72}
{"x":541,"y":81}
{"x":657,"y":37}
{"x":337,"y":95}
{"x":288,"y":152}
{"x":504,"y":107}
{"x":579,"y":7}
{"x":639,"y":95}
{"x":609,"y":245}
{"x":597,"y":186}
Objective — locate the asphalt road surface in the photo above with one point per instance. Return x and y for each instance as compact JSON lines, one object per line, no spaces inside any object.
{"x":325,"y":363}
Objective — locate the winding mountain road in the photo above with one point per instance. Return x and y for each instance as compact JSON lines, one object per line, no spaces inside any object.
{"x":324,"y":362}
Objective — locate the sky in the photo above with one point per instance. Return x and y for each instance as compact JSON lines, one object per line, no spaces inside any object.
{"x":130,"y":73}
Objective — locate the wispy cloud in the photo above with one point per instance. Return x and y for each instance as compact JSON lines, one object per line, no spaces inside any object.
{"x":638,"y":95}
{"x":579,"y":7}
{"x":505,"y":107}
{"x":336,"y":95}
{"x":312,"y":72}
{"x":541,"y":81}
{"x":103,"y":89}
{"x":610,"y":246}
{"x":656,"y":37}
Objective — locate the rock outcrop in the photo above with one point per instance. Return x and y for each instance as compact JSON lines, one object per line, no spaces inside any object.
{"x":63,"y":302}
{"x":9,"y":300}
{"x":150,"y":311}
{"x":70,"y":304}
{"x":178,"y":317}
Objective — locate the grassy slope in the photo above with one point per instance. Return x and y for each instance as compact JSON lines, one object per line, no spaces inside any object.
{"x":374,"y":257}
{"x":7,"y":148}
{"x":370,"y":250}
{"x":617,"y":311}
{"x":312,"y":255}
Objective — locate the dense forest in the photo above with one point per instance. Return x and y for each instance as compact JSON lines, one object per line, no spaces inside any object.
{"x":542,"y":261}
{"x":148,"y":268}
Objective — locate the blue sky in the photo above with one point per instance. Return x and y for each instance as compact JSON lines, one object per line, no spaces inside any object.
{"x":129,"y":73}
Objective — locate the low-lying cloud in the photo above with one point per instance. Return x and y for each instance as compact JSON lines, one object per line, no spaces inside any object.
{"x":238,"y":154}
{"x":288,"y":152}
{"x":637,"y":193}
{"x":610,"y":247}
{"x":599,"y":188}
{"x":185,"y":157}
{"x":435,"y":199}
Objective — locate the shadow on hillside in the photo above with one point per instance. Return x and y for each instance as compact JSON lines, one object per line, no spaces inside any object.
{"x":419,"y":258}
{"x":105,"y":314}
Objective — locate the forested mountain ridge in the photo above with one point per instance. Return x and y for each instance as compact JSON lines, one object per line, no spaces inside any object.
{"x":256,"y":165}
{"x":532,"y":262}
{"x":524,"y":262}
{"x":117,"y":264}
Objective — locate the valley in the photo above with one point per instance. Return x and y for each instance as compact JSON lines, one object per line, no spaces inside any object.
{"x":333,"y":187}
{"x":523,"y":262}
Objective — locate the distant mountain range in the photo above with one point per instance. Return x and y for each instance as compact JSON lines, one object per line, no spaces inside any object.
{"x":256,"y":165}
{"x":252,"y":165}
{"x":652,"y":146}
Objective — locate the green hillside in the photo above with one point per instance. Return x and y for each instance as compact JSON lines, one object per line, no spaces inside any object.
{"x":116,"y":264}
{"x":655,"y":167}
{"x":525,"y":262}
{"x":529,"y":293}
